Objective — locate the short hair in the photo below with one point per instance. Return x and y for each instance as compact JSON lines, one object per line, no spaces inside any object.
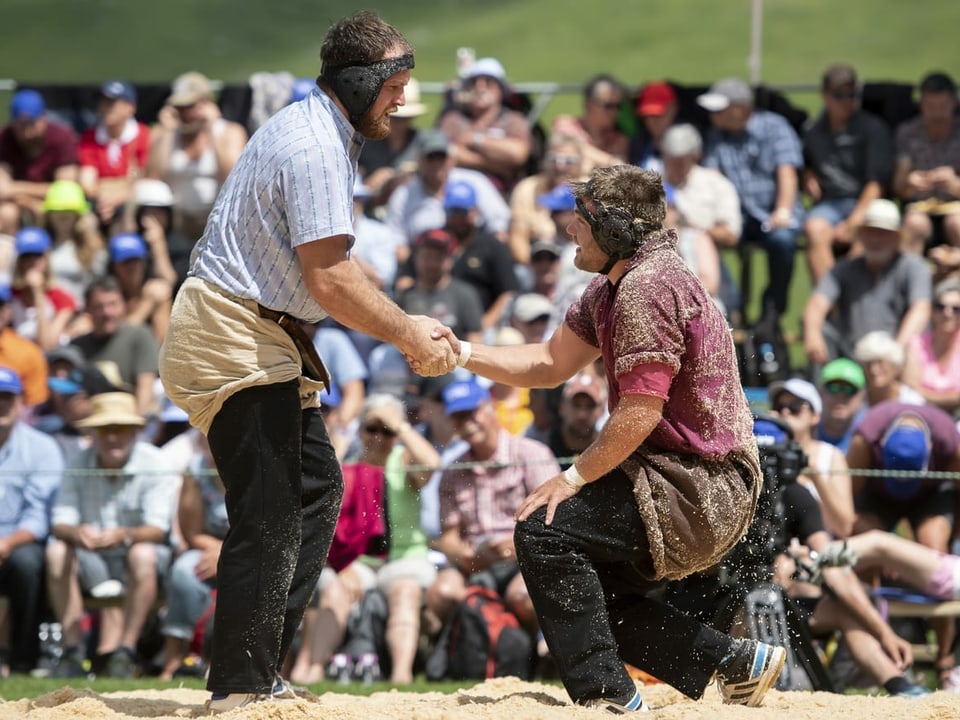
{"x":879,"y":345}
{"x":631,"y":188}
{"x":943,"y":287}
{"x":590,"y":88}
{"x":938,"y":82}
{"x":361,"y":38}
{"x":104,"y":283}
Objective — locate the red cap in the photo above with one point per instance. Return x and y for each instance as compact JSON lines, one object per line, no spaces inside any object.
{"x":655,"y":98}
{"x":438,"y":238}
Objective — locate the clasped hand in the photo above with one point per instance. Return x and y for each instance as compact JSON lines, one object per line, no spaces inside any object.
{"x":434,"y":349}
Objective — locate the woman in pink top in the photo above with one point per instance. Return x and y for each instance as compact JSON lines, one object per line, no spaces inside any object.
{"x":933,"y":358}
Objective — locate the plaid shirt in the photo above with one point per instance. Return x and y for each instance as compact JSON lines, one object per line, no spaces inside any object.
{"x":482,"y":501}
{"x":750,"y":160}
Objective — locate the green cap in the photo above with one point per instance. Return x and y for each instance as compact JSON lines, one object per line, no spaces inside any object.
{"x":844,"y":370}
{"x":65,"y":195}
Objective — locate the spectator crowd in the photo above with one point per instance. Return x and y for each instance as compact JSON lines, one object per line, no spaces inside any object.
{"x":111,"y":512}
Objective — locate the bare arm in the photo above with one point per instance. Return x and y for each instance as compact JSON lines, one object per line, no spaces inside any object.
{"x":227,"y":147}
{"x":914,"y":322}
{"x":858,"y":458}
{"x":786,"y":188}
{"x":814,"y":316}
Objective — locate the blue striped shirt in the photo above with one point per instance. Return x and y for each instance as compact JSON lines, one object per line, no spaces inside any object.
{"x":292,"y":184}
{"x":750,"y":160}
{"x":31,"y":468}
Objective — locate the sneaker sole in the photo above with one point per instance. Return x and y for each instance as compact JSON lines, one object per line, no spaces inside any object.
{"x":773,"y":661}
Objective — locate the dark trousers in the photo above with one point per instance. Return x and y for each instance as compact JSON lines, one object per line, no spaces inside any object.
{"x":780,"y":245}
{"x":283,"y":492}
{"x":22,"y":582}
{"x":583,"y":573}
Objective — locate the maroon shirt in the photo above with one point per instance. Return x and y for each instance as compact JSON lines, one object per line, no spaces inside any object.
{"x":59,"y":149}
{"x":661,"y":334}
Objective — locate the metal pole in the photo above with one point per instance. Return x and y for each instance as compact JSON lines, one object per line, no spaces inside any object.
{"x":756,"y":42}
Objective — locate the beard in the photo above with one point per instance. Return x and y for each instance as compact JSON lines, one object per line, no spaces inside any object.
{"x":374,"y":127}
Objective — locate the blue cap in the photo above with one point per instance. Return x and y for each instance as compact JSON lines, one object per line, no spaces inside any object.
{"x":905,"y":447}
{"x":127,"y":246}
{"x":5,"y":293}
{"x":118,"y":90}
{"x":27,"y":105}
{"x":301,"y":88}
{"x":559,"y":199}
{"x":10,"y":382}
{"x":460,"y":195}
{"x":464,"y":395}
{"x":32,"y":241}
{"x":80,"y":379}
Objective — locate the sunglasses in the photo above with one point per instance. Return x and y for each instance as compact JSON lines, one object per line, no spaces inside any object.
{"x":795,"y":407}
{"x":843,"y":95}
{"x":434,"y":156}
{"x":944,"y":307}
{"x":560,"y":159}
{"x":607,"y":105}
{"x":841,"y":388}
{"x":379,"y":430}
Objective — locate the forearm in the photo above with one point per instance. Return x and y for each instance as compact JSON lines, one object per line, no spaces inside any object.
{"x":871,"y":191}
{"x":420,"y":454}
{"x":161,"y":147}
{"x":628,"y":426}
{"x":914,"y":322}
{"x":162,"y":267}
{"x":848,"y":590}
{"x":786,"y":187}
{"x":144,"y":534}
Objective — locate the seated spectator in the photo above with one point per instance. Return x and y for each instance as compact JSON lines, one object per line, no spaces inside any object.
{"x":375,"y":247}
{"x":545,"y":268}
{"x":848,"y":163}
{"x":841,"y":390}
{"x":79,"y":253}
{"x":192,"y":149}
{"x":384,"y":163}
{"x":114,"y":152}
{"x":657,"y":109}
{"x":798,"y":404}
{"x":510,"y":403}
{"x":571,"y":280}
{"x":110,"y":529}
{"x":42,"y":312}
{"x":484,"y":133}
{"x":126,"y":353}
{"x":596,"y":128}
{"x":932,"y":365}
{"x":202,"y":523}
{"x":841,"y":604}
{"x":21,"y":355}
{"x":530,"y":220}
{"x":760,"y":154}
{"x":417,"y":205}
{"x":883,"y":289}
{"x":533,"y":316}
{"x":927,"y":168}
{"x":34,"y":152}
{"x":583,"y":402}
{"x":708,"y":210}
{"x":882,"y":359}
{"x":31,"y":468}
{"x":147,"y":300}
{"x":478,"y":502}
{"x":153,"y":220}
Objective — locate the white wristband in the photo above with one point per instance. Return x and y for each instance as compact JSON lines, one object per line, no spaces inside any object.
{"x":465,"y":350}
{"x":573,"y":477}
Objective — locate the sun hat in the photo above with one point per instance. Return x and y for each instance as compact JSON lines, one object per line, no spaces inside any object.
{"x":113,"y":408}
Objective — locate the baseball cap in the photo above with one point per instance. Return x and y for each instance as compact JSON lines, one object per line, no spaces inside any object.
{"x":412,"y":107}
{"x":882,"y":214}
{"x":66,"y":353}
{"x":432,"y":141}
{"x":655,"y":98}
{"x":838,"y":75}
{"x":905,"y":447}
{"x":81,"y":379}
{"x":10,"y":382}
{"x":127,"y":246}
{"x":118,"y":90}
{"x":799,"y":388}
{"x":459,"y":195}
{"x":463,"y":395}
{"x":485,"y":67}
{"x":437,"y":237}
{"x":32,"y":240}
{"x":559,"y":199}
{"x":724,"y":93}
{"x":300,"y":88}
{"x":189,"y":88}
{"x":545,"y":246}
{"x":149,"y":192}
{"x":584,"y":384}
{"x":680,"y":141}
{"x":843,"y":370}
{"x":67,"y":196}
{"x":530,"y":306}
{"x":27,"y":105}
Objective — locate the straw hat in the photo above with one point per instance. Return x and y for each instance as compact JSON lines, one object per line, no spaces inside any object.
{"x":113,"y":408}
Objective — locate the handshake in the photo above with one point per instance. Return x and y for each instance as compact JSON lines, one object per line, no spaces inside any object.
{"x":432,"y":348}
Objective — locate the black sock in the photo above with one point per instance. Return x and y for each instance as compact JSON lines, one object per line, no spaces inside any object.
{"x":896,"y":685}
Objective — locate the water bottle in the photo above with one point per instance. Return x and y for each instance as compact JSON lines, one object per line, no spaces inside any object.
{"x":769,"y":367}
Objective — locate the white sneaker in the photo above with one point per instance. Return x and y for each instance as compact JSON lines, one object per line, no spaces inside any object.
{"x":107,"y":589}
{"x":219,"y":703}
{"x":748,"y":678}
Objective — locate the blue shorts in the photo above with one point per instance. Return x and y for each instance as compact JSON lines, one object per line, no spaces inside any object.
{"x":833,"y":211}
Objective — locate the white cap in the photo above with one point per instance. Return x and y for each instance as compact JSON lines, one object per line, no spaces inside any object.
{"x":882,"y":214}
{"x":486,"y":67}
{"x":725,"y":93}
{"x":680,"y":141}
{"x":799,"y":388}
{"x":152,"y":193}
{"x":530,"y":306}
{"x":413,"y":107}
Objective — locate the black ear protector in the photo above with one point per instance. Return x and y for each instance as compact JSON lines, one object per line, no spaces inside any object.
{"x":357,"y":85}
{"x":616,"y":231}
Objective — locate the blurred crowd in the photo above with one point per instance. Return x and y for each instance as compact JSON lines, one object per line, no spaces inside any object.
{"x":111,"y":513}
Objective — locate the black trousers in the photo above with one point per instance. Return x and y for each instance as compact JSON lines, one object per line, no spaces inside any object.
{"x":22,"y":582}
{"x":283,"y":491}
{"x":583,"y":573}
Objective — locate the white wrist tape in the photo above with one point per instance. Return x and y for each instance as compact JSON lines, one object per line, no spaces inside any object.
{"x":573,"y":477}
{"x":465,"y":350}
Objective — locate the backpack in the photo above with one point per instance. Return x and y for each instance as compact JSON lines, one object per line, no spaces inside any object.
{"x":482,"y":639}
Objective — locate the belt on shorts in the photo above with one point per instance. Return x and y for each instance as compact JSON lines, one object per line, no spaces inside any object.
{"x":313,"y":366}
